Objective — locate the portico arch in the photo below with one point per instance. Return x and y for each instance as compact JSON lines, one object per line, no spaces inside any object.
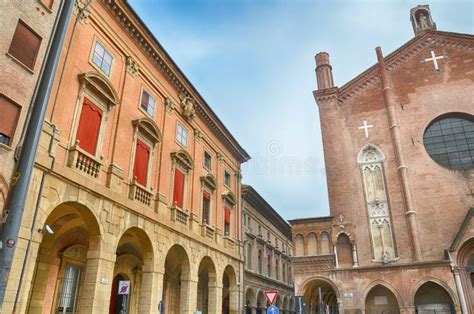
{"x":66,"y":260}
{"x":207,"y":286}
{"x":134,"y":261}
{"x":250,"y":301}
{"x":230,"y":292}
{"x":176,"y":281}
{"x":320,"y":291}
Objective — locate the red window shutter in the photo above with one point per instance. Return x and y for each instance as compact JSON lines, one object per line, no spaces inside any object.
{"x":25,"y":45}
{"x":140,"y":169}
{"x":227,"y":215}
{"x":206,"y":195}
{"x":89,"y":125}
{"x":9,"y":113}
{"x":178,"y":194}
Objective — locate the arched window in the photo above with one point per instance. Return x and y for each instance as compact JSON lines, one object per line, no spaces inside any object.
{"x":449,"y":140}
{"x":299,"y":245}
{"x":371,"y":163}
{"x":325,"y":249}
{"x":277,"y":273}
{"x":312,"y":245}
{"x":344,"y":250}
{"x":260,"y":262}
{"x":249,"y":256}
{"x":269,"y":265}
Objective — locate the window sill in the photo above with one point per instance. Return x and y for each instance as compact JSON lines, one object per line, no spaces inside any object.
{"x":140,"y":193}
{"x":24,"y":66}
{"x":5,"y":147}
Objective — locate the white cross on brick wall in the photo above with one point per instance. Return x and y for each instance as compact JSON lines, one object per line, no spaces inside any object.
{"x":435,"y":59}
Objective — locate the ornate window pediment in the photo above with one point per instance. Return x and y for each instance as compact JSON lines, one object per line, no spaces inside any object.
{"x":148,"y":128}
{"x":183,"y":158}
{"x":210,"y":181}
{"x":100,"y":84}
{"x":229,"y":197}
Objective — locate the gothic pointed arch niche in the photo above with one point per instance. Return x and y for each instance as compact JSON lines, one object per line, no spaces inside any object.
{"x":371,"y":160}
{"x":381,"y":299}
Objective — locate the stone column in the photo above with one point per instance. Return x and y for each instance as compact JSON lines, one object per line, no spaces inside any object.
{"x":355,"y":262}
{"x":215,"y":297}
{"x":150,"y":292}
{"x":188,"y":297}
{"x":95,"y":296}
{"x":459,"y":288}
{"x":234,"y":299}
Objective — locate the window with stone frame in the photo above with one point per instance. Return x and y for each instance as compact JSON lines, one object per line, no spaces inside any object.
{"x":102,"y":58}
{"x":181,"y":135}
{"x":208,"y":187}
{"x":10,"y":112}
{"x":146,"y":138}
{"x":207,"y":162}
{"x":147,"y":103}
{"x":260,"y":262}
{"x":371,"y":161}
{"x":25,"y":45}
{"x":249,"y":256}
{"x":229,"y":201}
{"x":269,"y":265}
{"x":227,"y":178}
{"x":182,"y":165}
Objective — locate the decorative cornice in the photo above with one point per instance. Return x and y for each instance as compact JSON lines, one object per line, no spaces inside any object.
{"x":403,"y":53}
{"x":250,"y":195}
{"x":128,"y":18}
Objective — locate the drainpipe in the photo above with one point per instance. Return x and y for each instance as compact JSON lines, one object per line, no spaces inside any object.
{"x":19,"y":192}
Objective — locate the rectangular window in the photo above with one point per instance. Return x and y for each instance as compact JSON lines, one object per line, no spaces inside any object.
{"x":206,"y":207}
{"x":89,"y":126}
{"x":207,"y":161}
{"x":102,"y":58}
{"x":148,"y":103}
{"x":178,"y":194}
{"x":140,"y":169}
{"x":69,"y":290}
{"x":9,"y":113}
{"x":227,"y":221}
{"x":181,"y":135}
{"x":227,"y":179}
{"x":25,"y":45}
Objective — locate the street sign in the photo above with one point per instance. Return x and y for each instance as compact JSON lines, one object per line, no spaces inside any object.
{"x":272,"y":309}
{"x":271,"y":296}
{"x":124,"y":287}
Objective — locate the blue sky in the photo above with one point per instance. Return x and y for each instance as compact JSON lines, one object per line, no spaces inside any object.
{"x":253,"y":61}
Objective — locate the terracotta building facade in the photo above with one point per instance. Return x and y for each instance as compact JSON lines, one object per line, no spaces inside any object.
{"x":26,"y":29}
{"x":136,"y":182}
{"x":267,"y":250}
{"x":399,"y":152}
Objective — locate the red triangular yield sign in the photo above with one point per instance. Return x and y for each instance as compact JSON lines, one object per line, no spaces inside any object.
{"x":271,"y":296}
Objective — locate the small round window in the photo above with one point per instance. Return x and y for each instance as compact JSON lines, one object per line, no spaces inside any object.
{"x":449,"y":140}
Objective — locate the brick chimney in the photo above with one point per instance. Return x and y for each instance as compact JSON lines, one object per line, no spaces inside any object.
{"x":323,"y":71}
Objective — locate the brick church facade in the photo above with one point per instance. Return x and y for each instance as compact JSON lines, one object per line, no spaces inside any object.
{"x":399,"y":151}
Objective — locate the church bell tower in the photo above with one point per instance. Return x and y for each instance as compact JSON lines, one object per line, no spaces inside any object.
{"x":421,"y":20}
